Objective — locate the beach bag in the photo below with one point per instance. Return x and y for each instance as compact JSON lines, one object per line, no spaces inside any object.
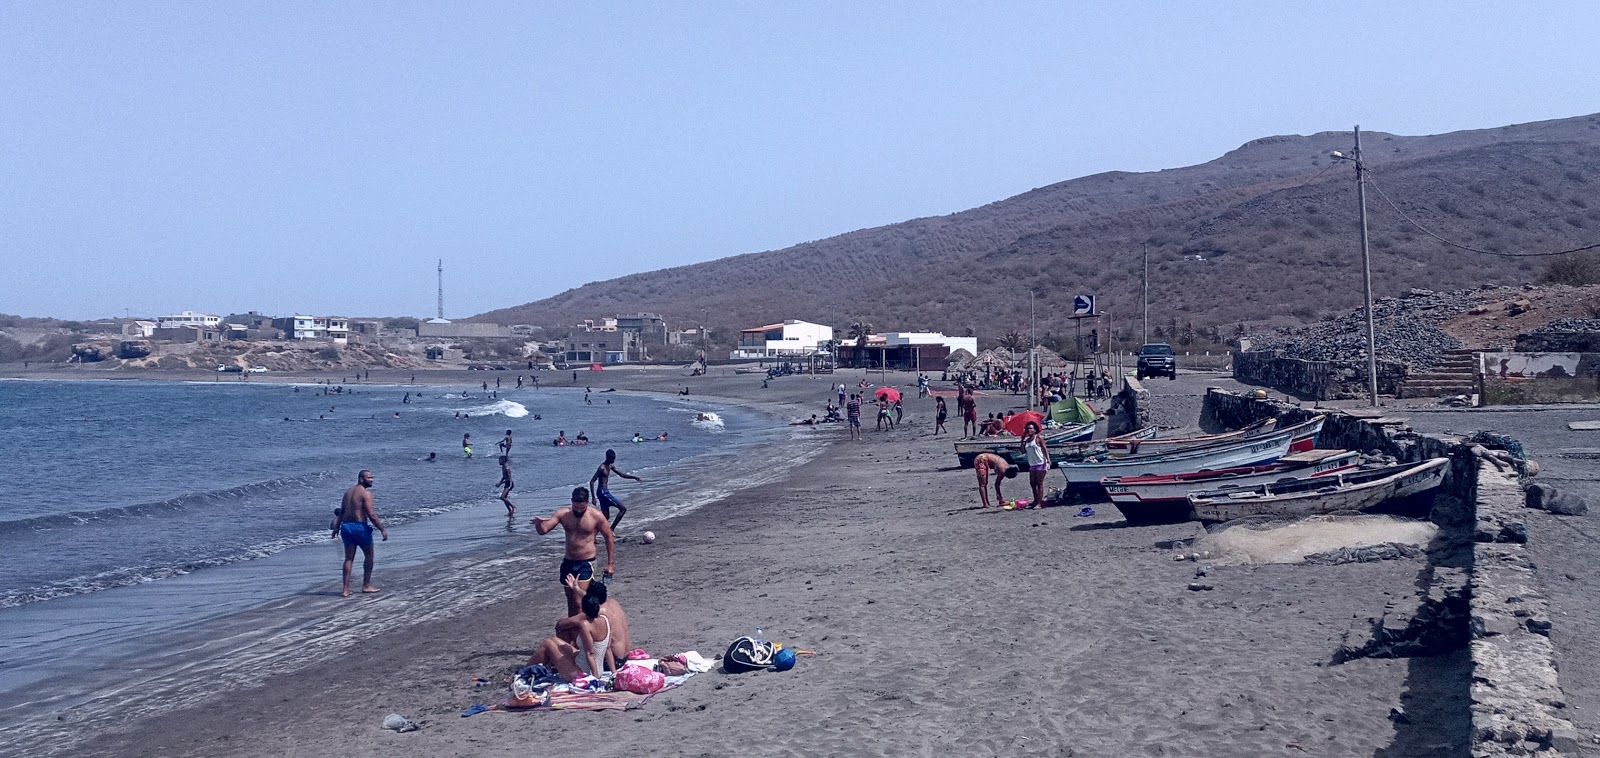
{"x":747,"y":654}
{"x":640,"y":680}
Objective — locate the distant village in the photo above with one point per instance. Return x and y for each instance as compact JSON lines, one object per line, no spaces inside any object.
{"x":255,"y":342}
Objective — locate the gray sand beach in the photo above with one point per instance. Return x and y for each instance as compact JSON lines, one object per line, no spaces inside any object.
{"x":940,"y":629}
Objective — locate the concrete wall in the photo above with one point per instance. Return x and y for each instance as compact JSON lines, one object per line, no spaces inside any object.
{"x":1130,"y":408}
{"x":463,"y":330}
{"x":1314,"y":380}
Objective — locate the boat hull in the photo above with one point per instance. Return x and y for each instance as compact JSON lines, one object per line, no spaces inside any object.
{"x":1369,"y":490}
{"x":1252,"y":452}
{"x":1011,"y":447}
{"x":1165,"y":498}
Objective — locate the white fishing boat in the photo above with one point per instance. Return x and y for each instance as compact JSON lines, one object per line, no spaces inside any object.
{"x":1249,"y":452}
{"x":1165,"y":497}
{"x":1010,"y":445}
{"x":1346,"y":492}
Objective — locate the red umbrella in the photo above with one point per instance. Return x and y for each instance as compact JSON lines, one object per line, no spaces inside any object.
{"x":1019,"y":421}
{"x":887,"y":394}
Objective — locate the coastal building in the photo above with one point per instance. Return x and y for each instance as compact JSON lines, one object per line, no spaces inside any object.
{"x":603,"y":325}
{"x":188,"y":318}
{"x":694,"y":335}
{"x":791,"y":338}
{"x":139,"y":329}
{"x":187,"y":334}
{"x":335,"y":328}
{"x":911,"y":351}
{"x":584,"y":350}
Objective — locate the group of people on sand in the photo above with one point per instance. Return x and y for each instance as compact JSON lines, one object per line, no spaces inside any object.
{"x":592,"y":637}
{"x":1037,"y":454}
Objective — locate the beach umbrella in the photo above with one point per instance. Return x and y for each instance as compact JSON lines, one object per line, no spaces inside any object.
{"x":887,"y":394}
{"x":1016,"y":423}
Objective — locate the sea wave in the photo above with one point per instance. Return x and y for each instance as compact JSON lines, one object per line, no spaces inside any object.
{"x":125,"y":576}
{"x":507,"y":408}
{"x":172,"y":505}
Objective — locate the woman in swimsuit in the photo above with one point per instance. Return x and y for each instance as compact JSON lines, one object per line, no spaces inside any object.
{"x":938,"y":421}
{"x":591,"y":654}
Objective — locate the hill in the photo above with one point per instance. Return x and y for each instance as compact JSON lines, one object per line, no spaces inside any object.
{"x":1267,"y":233}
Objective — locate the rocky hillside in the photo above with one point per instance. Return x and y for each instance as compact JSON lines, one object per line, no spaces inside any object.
{"x":1267,"y":233}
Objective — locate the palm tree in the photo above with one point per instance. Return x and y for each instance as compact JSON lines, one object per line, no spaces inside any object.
{"x":1013,"y":341}
{"x":859,"y":331}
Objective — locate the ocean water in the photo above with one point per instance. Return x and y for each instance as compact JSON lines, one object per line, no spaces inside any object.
{"x":176,"y":528}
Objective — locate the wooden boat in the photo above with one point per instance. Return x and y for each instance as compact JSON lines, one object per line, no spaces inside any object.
{"x":1010,"y":446}
{"x":1165,"y":497}
{"x":1355,"y":491}
{"x":1134,"y":446}
{"x":1247,"y":452}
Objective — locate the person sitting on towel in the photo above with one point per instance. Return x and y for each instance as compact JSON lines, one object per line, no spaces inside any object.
{"x":589,"y":656}
{"x":621,"y":642}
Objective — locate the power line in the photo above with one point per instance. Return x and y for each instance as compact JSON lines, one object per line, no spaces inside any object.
{"x":1468,"y":248}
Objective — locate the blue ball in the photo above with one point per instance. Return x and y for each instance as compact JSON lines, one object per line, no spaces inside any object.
{"x":783,"y":660}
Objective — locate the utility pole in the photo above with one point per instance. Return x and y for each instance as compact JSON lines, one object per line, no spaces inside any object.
{"x":1033,"y":357}
{"x":441,"y":289}
{"x":1366,"y":276}
{"x":1144,"y":324}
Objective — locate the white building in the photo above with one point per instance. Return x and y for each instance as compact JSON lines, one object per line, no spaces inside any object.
{"x":897,"y":339}
{"x":336,"y":328}
{"x":139,"y":329}
{"x":791,"y":338}
{"x":188,"y":318}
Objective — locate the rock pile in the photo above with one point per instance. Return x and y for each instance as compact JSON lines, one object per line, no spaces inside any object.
{"x":1569,"y":325}
{"x":1405,"y":330}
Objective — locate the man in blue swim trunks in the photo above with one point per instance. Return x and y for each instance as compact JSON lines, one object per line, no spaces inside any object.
{"x":601,"y":483}
{"x":353,"y":523}
{"x":581,"y":524}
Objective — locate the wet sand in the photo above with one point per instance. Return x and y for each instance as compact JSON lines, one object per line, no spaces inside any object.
{"x":941,"y":629}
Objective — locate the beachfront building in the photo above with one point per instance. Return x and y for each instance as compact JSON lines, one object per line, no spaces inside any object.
{"x":590,"y":351}
{"x":139,"y":329}
{"x":910,"y":351}
{"x":438,"y":328}
{"x":792,"y":338}
{"x":189,"y":318}
{"x":336,"y":328}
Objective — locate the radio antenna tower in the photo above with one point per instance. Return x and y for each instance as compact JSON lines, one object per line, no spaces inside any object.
{"x":441,"y":289}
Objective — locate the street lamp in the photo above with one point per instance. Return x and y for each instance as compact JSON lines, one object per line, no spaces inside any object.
{"x":1366,"y":266}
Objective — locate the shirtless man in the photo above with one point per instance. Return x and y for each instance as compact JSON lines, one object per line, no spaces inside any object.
{"x":466,"y":445}
{"x":569,"y":627}
{"x":505,"y":444}
{"x":1003,"y":470}
{"x":602,"y":476}
{"x":506,"y":486}
{"x":581,"y":524}
{"x":351,"y":523}
{"x":968,"y":406}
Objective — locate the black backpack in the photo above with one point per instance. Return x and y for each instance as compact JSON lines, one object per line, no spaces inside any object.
{"x":747,"y":654}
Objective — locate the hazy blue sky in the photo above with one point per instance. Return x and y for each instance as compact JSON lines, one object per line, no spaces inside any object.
{"x":318,"y":157}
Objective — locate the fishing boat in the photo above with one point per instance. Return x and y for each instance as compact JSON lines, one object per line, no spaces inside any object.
{"x":1134,"y":445}
{"x":1010,"y":446}
{"x":1356,"y":491}
{"x":1165,"y":497}
{"x":1087,"y":474}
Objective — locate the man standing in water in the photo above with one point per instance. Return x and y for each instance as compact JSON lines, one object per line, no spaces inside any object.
{"x":505,"y":445}
{"x":506,"y":486}
{"x":580,"y":524}
{"x":466,"y":445}
{"x":351,"y":523}
{"x":602,"y":476}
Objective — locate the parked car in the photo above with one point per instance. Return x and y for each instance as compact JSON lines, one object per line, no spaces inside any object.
{"x":257,"y":369}
{"x":230,"y":369}
{"x":1157,"y":359}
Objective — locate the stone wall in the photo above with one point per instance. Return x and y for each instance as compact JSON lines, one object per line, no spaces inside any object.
{"x":1515,"y":700}
{"x":1314,"y":380}
{"x":1130,"y":408}
{"x":1559,"y":342}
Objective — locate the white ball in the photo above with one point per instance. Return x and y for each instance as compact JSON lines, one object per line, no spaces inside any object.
{"x":649,"y":537}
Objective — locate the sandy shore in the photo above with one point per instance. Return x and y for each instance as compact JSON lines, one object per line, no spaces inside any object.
{"x":942,"y":629}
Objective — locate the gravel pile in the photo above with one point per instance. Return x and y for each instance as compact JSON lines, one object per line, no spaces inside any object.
{"x":1570,"y":325}
{"x":1404,"y":325}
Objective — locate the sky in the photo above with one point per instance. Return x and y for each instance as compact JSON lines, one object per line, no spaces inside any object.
{"x":322,"y":157}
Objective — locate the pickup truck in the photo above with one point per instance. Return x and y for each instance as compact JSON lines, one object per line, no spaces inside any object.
{"x":1157,"y":359}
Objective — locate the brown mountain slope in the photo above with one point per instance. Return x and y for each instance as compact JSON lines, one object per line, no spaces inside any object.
{"x":1275,"y":221}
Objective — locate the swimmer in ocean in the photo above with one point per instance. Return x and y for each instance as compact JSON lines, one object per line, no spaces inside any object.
{"x":466,"y":445}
